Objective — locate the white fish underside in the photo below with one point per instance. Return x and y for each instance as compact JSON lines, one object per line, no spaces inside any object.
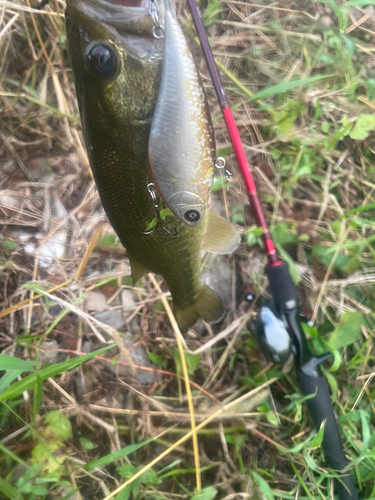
{"x":181,"y":144}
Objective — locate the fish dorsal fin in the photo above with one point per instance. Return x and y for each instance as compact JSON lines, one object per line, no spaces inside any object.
{"x":138,"y":270}
{"x":221,"y":236}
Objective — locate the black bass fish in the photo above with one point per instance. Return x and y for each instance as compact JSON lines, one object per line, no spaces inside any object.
{"x":181,"y":145}
{"x":117,"y":63}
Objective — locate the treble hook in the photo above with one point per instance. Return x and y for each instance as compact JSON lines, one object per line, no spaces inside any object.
{"x":155,"y":203}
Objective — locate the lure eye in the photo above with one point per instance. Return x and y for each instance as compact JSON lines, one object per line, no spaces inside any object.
{"x":192,"y":216}
{"x":102,"y":60}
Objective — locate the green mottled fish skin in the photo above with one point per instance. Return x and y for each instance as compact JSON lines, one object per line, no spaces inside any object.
{"x":116,"y":118}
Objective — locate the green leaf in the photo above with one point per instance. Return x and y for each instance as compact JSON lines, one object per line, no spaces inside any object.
{"x":11,"y":245}
{"x":309,"y":330}
{"x":12,"y":363}
{"x":211,"y":13}
{"x":127,"y":471}
{"x":39,"y":490}
{"x":166,"y":212}
{"x":9,"y":491}
{"x":291,"y":265}
{"x":366,"y":431}
{"x":108,"y":240}
{"x":283,"y":234}
{"x":263,"y":486}
{"x":208,"y":493}
{"x":317,"y":441}
{"x":29,"y":382}
{"x":192,"y":361}
{"x":272,"y":418}
{"x":59,"y":424}
{"x":125,"y":493}
{"x":325,"y":127}
{"x":347,"y":330}
{"x":325,"y":255}
{"x":332,"y":381}
{"x":156,"y":359}
{"x":311,"y":462}
{"x":87,"y":444}
{"x":116,"y":455}
{"x":221,"y":183}
{"x":362,"y":127}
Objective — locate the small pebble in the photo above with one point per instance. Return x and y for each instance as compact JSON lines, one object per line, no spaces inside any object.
{"x":7,"y":200}
{"x":95,"y":301}
{"x":53,"y":249}
{"x":86,"y":347}
{"x":139,"y":357}
{"x":128,"y":301}
{"x":47,"y":352}
{"x":111,"y":318}
{"x":82,"y":386}
{"x":9,"y":166}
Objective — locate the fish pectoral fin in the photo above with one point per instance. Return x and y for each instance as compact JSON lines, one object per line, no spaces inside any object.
{"x":221,"y":236}
{"x":138,"y":270}
{"x":208,"y":306}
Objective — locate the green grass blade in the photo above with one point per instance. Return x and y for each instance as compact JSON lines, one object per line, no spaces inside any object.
{"x":236,"y":81}
{"x":300,"y":479}
{"x":8,"y":378}
{"x":42,"y":105}
{"x":116,"y":455}
{"x":12,"y":363}
{"x":38,"y":394}
{"x":9,"y":491}
{"x":275,"y":89}
{"x":369,"y":206}
{"x":284,"y":86}
{"x":50,"y":371}
{"x":12,"y":455}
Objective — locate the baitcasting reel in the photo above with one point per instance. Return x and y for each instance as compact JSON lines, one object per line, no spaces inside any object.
{"x":279,"y":333}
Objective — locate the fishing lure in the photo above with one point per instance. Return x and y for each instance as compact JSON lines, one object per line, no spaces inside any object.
{"x":181,"y":146}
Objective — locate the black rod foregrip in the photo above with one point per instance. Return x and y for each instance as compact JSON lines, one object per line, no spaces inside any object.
{"x":284,"y":292}
{"x":321,"y":409}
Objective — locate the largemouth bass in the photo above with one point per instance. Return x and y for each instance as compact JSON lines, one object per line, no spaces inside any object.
{"x":117,"y":63}
{"x":181,"y":145}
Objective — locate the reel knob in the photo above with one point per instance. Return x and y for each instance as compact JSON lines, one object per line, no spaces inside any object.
{"x":271,"y":334}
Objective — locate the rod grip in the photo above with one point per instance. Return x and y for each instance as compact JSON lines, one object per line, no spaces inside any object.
{"x":282,"y":287}
{"x":321,"y":409}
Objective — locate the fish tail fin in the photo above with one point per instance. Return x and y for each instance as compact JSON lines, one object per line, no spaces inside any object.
{"x":208,"y":306}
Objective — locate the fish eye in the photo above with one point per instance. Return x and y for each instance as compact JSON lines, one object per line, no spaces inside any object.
{"x":192,"y":216}
{"x":102,"y":60}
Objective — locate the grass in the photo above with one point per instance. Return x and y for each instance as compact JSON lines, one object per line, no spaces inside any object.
{"x":300,"y":78}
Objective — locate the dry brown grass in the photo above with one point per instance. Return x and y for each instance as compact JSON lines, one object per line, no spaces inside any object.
{"x":47,"y":194}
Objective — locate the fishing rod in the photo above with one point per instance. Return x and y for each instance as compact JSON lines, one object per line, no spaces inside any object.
{"x":277,"y":329}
